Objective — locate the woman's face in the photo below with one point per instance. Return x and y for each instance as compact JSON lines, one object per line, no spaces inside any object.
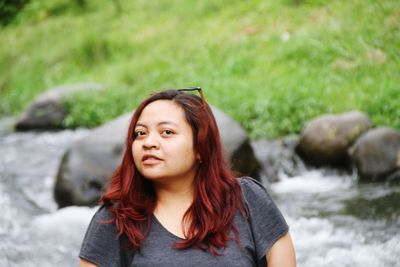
{"x":163,"y":145}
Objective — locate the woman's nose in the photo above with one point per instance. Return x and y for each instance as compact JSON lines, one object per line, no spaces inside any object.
{"x":151,"y":141}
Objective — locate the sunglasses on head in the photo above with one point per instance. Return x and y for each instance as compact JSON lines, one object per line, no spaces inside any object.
{"x":189,"y":89}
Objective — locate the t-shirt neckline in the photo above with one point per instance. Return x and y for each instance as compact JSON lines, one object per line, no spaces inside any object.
{"x":165,"y":230}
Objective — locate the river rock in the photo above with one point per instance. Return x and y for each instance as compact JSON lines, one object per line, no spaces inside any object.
{"x":278,"y":157}
{"x":326,"y":139}
{"x":376,"y":155}
{"x":47,"y":111}
{"x":88,"y":164}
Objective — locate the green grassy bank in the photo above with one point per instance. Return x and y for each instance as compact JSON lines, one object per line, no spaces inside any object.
{"x":271,"y":65}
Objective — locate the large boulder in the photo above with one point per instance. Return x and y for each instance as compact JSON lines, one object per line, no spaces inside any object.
{"x":237,"y":146}
{"x":278,"y":157}
{"x":47,"y":112}
{"x":88,"y":164}
{"x":376,"y":155}
{"x":326,"y":139}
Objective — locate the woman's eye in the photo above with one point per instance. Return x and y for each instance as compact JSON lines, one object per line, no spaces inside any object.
{"x":168,"y":132}
{"x":139,"y":133}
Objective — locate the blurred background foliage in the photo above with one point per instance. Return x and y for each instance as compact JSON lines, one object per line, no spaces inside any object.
{"x":271,"y":65}
{"x":9,"y":10}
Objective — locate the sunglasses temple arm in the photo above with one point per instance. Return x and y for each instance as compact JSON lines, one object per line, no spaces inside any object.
{"x":203,"y":100}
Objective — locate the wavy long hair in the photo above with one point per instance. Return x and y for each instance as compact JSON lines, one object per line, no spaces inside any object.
{"x":217,"y":195}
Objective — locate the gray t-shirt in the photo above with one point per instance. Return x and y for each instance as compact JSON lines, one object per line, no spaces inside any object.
{"x":258,"y":233}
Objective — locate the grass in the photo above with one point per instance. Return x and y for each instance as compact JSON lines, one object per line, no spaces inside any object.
{"x":271,"y":65}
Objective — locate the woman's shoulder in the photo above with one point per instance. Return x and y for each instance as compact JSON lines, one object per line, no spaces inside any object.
{"x":250,"y":185}
{"x":101,"y":226}
{"x":254,"y":193}
{"x":101,"y":244}
{"x":103,"y":214}
{"x":102,"y":222}
{"x":247,"y":180}
{"x":266,"y":220}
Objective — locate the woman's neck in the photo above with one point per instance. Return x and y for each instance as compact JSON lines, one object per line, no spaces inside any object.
{"x":178,"y":194}
{"x":172,"y":203}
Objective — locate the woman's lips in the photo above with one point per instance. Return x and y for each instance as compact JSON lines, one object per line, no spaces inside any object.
{"x":150,"y":159}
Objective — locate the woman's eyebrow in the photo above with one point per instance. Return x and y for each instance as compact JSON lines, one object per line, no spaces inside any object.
{"x":167,"y":122}
{"x":140,"y":125}
{"x":158,"y":124}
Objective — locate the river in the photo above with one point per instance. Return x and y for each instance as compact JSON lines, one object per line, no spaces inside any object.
{"x":334,"y":220}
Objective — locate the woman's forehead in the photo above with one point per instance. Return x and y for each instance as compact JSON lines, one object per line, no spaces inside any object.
{"x":162,"y":112}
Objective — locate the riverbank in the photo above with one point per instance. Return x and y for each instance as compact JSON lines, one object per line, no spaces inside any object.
{"x":271,"y":66}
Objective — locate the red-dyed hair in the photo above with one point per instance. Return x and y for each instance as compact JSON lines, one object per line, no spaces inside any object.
{"x":217,"y":195}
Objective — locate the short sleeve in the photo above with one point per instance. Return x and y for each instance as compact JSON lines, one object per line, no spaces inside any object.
{"x":101,"y":244}
{"x":266,"y":221}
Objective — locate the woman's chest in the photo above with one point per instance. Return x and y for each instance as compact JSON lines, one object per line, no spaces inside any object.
{"x":158,"y":250}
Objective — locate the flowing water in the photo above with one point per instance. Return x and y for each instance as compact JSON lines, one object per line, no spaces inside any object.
{"x":334,"y":221}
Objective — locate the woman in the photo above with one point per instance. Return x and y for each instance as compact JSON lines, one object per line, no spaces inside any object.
{"x":174,"y":202}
